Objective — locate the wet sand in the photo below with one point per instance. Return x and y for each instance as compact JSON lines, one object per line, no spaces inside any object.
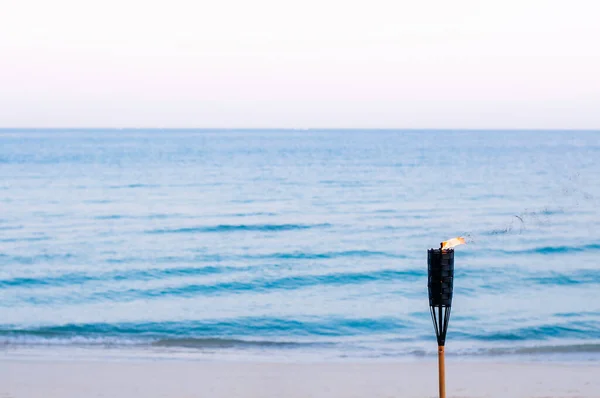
{"x":33,"y":378}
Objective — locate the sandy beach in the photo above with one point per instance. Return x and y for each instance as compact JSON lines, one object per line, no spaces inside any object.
{"x":37,"y":378}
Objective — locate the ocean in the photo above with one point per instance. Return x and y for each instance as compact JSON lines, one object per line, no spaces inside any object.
{"x":293,"y":244}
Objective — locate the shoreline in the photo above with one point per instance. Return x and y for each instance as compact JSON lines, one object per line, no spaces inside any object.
{"x":73,"y":376}
{"x":134,"y":353}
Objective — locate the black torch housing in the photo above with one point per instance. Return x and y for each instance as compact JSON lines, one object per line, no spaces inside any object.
{"x":440,"y":271}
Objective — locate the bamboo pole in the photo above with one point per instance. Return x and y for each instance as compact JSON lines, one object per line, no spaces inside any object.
{"x":442,"y":371}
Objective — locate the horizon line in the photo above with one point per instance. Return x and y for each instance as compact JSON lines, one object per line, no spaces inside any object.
{"x":312,"y":128}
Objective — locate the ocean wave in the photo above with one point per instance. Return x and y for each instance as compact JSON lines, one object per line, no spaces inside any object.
{"x":512,"y":350}
{"x":11,"y":227}
{"x":242,"y":328}
{"x":147,"y":274}
{"x":141,"y":217}
{"x":296,"y":255}
{"x":201,"y":343}
{"x":77,"y":278}
{"x":558,"y":349}
{"x":577,"y":277}
{"x":252,"y":286}
{"x":253,"y":214}
{"x":557,"y":249}
{"x":24,"y":239}
{"x":67,"y":279}
{"x":328,"y":255}
{"x":126,"y":186}
{"x":40,"y":258}
{"x":585,"y":330}
{"x":35,"y":339}
{"x":202,"y":336}
{"x":110,"y":217}
{"x":238,"y":228}
{"x":541,"y":250}
{"x":286,"y":283}
{"x":530,"y":351}
{"x":198,"y":258}
{"x":25,"y":339}
{"x":577,"y":314}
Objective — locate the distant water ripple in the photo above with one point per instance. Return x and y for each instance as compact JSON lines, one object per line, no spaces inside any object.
{"x":233,"y":228}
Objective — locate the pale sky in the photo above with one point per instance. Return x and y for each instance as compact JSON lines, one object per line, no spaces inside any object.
{"x":300,"y":64}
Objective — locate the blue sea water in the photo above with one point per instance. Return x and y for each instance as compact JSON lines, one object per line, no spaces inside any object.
{"x":284,"y":243}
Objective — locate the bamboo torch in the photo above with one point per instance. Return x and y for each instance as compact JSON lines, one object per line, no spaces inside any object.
{"x":440,"y":272}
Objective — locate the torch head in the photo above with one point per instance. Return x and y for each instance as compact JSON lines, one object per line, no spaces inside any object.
{"x":440,"y":271}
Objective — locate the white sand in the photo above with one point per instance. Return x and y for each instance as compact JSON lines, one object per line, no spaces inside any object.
{"x":33,"y":378}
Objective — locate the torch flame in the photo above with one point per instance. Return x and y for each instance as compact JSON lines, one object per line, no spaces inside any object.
{"x":449,"y":244}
